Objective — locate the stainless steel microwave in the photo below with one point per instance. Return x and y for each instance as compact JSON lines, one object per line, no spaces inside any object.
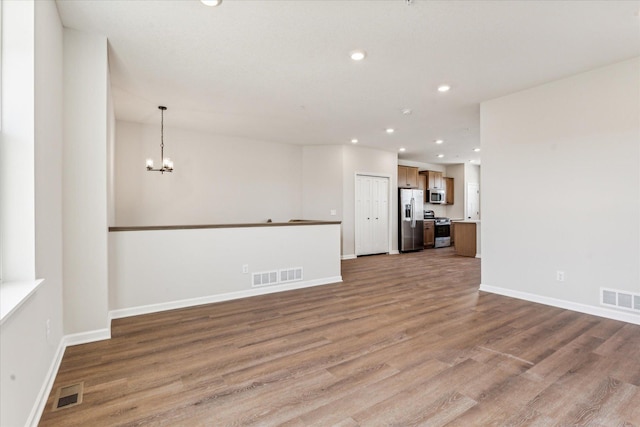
{"x":435,"y":195}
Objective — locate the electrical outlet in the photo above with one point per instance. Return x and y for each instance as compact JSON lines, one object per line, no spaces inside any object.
{"x":245,"y":268}
{"x":333,"y":212}
{"x":560,"y":276}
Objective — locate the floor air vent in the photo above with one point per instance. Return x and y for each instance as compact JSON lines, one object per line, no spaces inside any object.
{"x":68,"y":396}
{"x":620,"y":299}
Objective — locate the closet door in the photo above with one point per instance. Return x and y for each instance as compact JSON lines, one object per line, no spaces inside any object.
{"x":372,"y":215}
{"x":380,"y":205}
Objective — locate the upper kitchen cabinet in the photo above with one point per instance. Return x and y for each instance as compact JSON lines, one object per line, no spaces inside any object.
{"x":434,"y":179}
{"x":422,"y":182}
{"x":407,"y":176}
{"x":422,"y":185}
{"x":448,"y":190}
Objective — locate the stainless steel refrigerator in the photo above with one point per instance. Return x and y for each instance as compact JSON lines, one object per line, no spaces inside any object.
{"x":411,"y":220}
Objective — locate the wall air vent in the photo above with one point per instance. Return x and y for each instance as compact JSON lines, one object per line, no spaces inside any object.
{"x":620,"y":299}
{"x":268,"y":278}
{"x":265,"y":278}
{"x":291,"y":274}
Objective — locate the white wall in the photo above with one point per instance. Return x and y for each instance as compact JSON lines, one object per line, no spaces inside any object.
{"x":361,"y":160}
{"x":322,"y":182}
{"x":27,"y":356}
{"x":85,"y":224}
{"x":156,"y":270}
{"x":111,"y":157}
{"x":549,"y":202}
{"x":216,"y":179}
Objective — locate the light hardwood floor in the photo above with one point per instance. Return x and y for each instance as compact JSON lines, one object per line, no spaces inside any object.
{"x":404,"y":340}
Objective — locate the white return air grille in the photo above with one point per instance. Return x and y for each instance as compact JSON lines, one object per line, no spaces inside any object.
{"x":620,"y":299}
{"x":291,"y":275}
{"x":269,"y":278}
{"x":265,"y":278}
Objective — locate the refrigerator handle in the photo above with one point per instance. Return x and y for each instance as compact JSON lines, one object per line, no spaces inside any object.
{"x":413,"y":215}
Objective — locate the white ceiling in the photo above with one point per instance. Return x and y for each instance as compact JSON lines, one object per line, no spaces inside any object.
{"x":279,"y":70}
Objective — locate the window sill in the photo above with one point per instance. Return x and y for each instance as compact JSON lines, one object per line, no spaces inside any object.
{"x":14,"y":294}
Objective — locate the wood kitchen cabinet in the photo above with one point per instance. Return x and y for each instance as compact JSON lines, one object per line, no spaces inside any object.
{"x":434,"y":179}
{"x":429,"y":233}
{"x":422,"y":185}
{"x":422,"y":182}
{"x":448,"y":190}
{"x":465,"y":240}
{"x":407,"y":176}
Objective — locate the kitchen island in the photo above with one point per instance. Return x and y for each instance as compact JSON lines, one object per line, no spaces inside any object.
{"x":155,"y":268}
{"x":467,"y":238}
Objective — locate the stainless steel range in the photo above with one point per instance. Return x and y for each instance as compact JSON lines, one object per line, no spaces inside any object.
{"x":442,"y":229}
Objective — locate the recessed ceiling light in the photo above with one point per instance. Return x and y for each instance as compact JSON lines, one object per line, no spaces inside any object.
{"x":358,"y":55}
{"x":406,"y":111}
{"x":439,"y":141}
{"x":390,"y":130}
{"x":211,"y":2}
{"x":476,"y":150}
{"x":354,"y":141}
{"x":402,"y":149}
{"x":440,"y":156}
{"x":444,"y":88}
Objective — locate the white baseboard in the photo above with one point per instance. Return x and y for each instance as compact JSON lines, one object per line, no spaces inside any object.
{"x":172,"y":305}
{"x":478,"y":256}
{"x":104,"y":334}
{"x":87,"y":337}
{"x":396,"y":252}
{"x":45,"y":390}
{"x":569,"y":305}
{"x":47,"y":385}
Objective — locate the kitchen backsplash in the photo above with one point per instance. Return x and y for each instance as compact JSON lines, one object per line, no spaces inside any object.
{"x":439,"y":210}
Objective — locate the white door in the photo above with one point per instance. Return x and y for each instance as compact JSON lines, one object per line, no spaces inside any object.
{"x":380,"y":206}
{"x":372,"y":215}
{"x":473,"y":201}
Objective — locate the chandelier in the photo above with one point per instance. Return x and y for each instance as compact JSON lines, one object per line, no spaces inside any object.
{"x":167,"y":164}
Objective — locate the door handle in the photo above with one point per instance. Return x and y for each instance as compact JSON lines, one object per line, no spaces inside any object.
{"x":413,"y":217}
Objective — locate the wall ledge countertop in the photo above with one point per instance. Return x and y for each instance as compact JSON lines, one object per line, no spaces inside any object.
{"x":293,"y":222}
